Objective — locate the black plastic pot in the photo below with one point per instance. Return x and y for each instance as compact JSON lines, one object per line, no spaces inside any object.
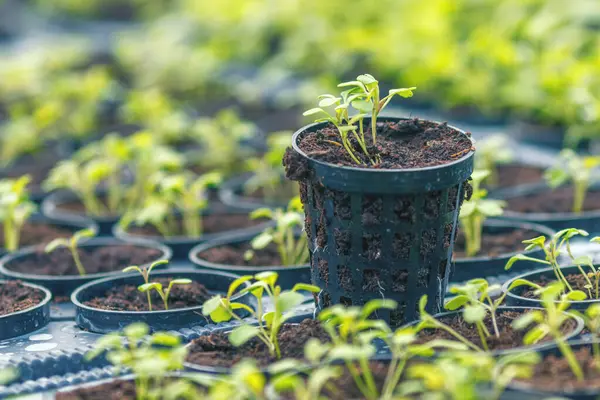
{"x":523,"y":391}
{"x":51,"y":208}
{"x":181,"y":245}
{"x":64,"y":285}
{"x":537,"y":134}
{"x":72,"y":224}
{"x":28,"y":320}
{"x":402,"y":252}
{"x":231,"y":193}
{"x":485,"y":266}
{"x":514,"y":297}
{"x":587,"y":220}
{"x":288,"y":276}
{"x":105,"y":321}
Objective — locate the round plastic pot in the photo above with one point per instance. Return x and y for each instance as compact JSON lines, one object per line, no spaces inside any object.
{"x":181,"y":245}
{"x":51,"y":206}
{"x":403,"y":253}
{"x":587,"y":220}
{"x":28,"y":320}
{"x":105,"y":321}
{"x":537,"y":134}
{"x":514,"y":297}
{"x":288,"y":276}
{"x":537,"y":347}
{"x":71,"y":224}
{"x":231,"y":193}
{"x":522,"y":390}
{"x":465,"y":269}
{"x":64,"y":285}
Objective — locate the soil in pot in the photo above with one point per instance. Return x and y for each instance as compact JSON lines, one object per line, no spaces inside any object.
{"x":577,"y":282}
{"x":215,"y":350}
{"x":213,"y":223}
{"x":234,"y":255}
{"x":517,"y":174}
{"x":411,"y":143}
{"x":38,"y":233}
{"x":129,"y":298}
{"x":116,"y":390}
{"x":509,"y":338}
{"x":14,"y":296}
{"x":559,"y":200}
{"x":94,"y":259}
{"x":495,"y":244}
{"x":77,"y":207}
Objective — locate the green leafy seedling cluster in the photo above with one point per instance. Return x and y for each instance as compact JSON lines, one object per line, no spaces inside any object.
{"x":15,"y":209}
{"x":71,"y":244}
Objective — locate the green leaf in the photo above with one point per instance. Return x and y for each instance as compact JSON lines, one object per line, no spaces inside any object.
{"x":456,"y":302}
{"x":349,"y":352}
{"x":133,"y":268}
{"x":242,"y":334}
{"x":522,"y":257}
{"x":576,"y":295}
{"x":165,"y":339}
{"x":327,"y":102}
{"x":474,"y":313}
{"x":404,"y":92}
{"x":536,"y":334}
{"x":367,"y":79}
{"x":583,"y":260}
{"x":306,"y":287}
{"x":313,"y":111}
{"x":422,"y":303}
{"x":136,"y":331}
{"x":261,"y":213}
{"x":525,"y":320}
{"x":149,"y":286}
{"x":376,"y":304}
{"x":285,"y":365}
{"x":181,"y":281}
{"x":289,"y":300}
{"x":521,"y":282}
{"x":362,"y":105}
{"x":85,"y":233}
{"x":55,"y":244}
{"x":237,"y":283}
{"x":262,"y":240}
{"x":315,"y":350}
{"x":269,"y":277}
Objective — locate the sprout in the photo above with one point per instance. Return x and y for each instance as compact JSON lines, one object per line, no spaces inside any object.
{"x":164,"y":294}
{"x":145,"y":272}
{"x":15,"y":209}
{"x":71,"y":244}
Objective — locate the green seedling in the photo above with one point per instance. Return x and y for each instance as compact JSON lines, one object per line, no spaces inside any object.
{"x":292,"y":248}
{"x":491,"y":152}
{"x":591,"y":318}
{"x":15,"y":209}
{"x":475,"y":211}
{"x":246,"y":381}
{"x":71,"y":244}
{"x":164,"y":294}
{"x":550,"y":320}
{"x":269,"y":323}
{"x":306,"y":381}
{"x":149,"y":358}
{"x":145,"y":272}
{"x":8,"y":375}
{"x":363,"y":95}
{"x":577,"y":170}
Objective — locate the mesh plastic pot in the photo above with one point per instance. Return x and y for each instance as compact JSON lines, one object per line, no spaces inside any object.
{"x":380,"y":233}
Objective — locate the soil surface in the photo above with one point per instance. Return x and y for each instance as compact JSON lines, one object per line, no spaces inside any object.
{"x":495,"y":244}
{"x":554,"y":374}
{"x":214,"y":223}
{"x":234,"y":255}
{"x":117,"y":390}
{"x":77,"y":207}
{"x":412,"y":143}
{"x":517,"y":174}
{"x":215,"y":350}
{"x":559,"y":200}
{"x":577,"y":282}
{"x":129,"y":298}
{"x":38,"y":233}
{"x":509,"y":338}
{"x":95,"y":260}
{"x":14,"y":296}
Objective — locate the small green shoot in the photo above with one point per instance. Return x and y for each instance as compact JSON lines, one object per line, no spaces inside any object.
{"x":71,"y":244}
{"x":145,"y":272}
{"x":164,"y":294}
{"x":15,"y":209}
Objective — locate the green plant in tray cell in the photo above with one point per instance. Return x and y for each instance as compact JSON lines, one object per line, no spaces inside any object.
{"x":291,"y":245}
{"x":364,"y":96}
{"x":591,"y":319}
{"x":163,"y":293}
{"x":580,"y":171}
{"x":474,"y":212}
{"x":263,"y":285}
{"x":71,"y":244}
{"x":491,"y":152}
{"x":15,"y":209}
{"x":246,"y":381}
{"x":145,"y":272}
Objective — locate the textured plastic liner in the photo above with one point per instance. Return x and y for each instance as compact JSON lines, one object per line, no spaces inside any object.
{"x":28,"y":320}
{"x":514,"y":297}
{"x":105,"y":321}
{"x":65,"y":284}
{"x":231,"y":193}
{"x":288,"y":276}
{"x":477,"y":267}
{"x":381,"y":233}
{"x":181,"y":245}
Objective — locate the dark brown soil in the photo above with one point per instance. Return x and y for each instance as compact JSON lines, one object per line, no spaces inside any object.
{"x":518,"y":174}
{"x":234,"y":255}
{"x":117,"y":390}
{"x":495,"y":244}
{"x":509,"y":338}
{"x":95,"y":260}
{"x":559,"y":200}
{"x":77,"y":207}
{"x":554,"y":375}
{"x":215,"y":350}
{"x":412,"y":143}
{"x":214,"y":223}
{"x":14,"y":296}
{"x":577,"y":282}
{"x":34,"y":233}
{"x":129,"y":298}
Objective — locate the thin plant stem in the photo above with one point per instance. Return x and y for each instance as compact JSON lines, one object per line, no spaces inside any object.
{"x":77,"y":260}
{"x":441,"y":325}
{"x":482,"y":337}
{"x":569,"y":356}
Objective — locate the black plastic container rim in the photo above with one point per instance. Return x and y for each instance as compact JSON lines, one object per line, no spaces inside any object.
{"x":53,"y":200}
{"x":170,"y":272}
{"x":94,"y":242}
{"x":47,"y":298}
{"x":500,"y":223}
{"x":228,"y":195}
{"x":537,"y":347}
{"x":202,"y":263}
{"x":314,"y":126}
{"x":534,"y":302}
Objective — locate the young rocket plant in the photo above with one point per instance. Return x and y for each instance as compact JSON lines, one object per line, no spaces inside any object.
{"x":71,"y":244}
{"x":15,"y":209}
{"x":269,"y":323}
{"x":292,"y":247}
{"x":492,"y":152}
{"x":474,"y":212}
{"x":163,"y":293}
{"x":145,"y":272}
{"x":577,"y":170}
{"x":364,"y":96}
